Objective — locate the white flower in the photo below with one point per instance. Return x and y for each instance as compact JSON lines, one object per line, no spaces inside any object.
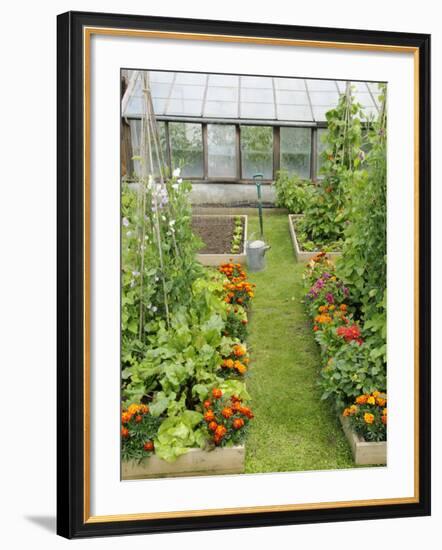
{"x":154,"y":309}
{"x":180,"y":180}
{"x":157,"y":279}
{"x":176,"y":173}
{"x":125,"y":222}
{"x":129,"y":234}
{"x":136,"y":273}
{"x":174,"y":186}
{"x":172,"y":223}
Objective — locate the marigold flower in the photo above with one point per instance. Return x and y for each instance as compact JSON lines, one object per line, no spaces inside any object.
{"x":369,"y":418}
{"x":207,"y":403}
{"x":221,"y":430}
{"x":346,"y":412}
{"x":212,"y":426}
{"x":381,"y":401}
{"x":238,"y":423}
{"x":124,"y":432}
{"x":361,"y":400}
{"x":148,"y":446}
{"x":376,"y":393}
{"x":138,"y":418}
{"x":228,"y":363}
{"x":343,"y":307}
{"x":384,"y":419}
{"x":209,"y":416}
{"x":133,"y":409}
{"x":125,"y":417}
{"x":217,"y":393}
{"x":371,"y":400}
{"x":227,"y":412}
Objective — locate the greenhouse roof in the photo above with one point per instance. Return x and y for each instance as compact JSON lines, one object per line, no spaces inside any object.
{"x":251,"y":98}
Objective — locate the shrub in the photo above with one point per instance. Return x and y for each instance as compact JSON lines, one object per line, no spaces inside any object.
{"x":292,"y":192}
{"x":350,"y":372}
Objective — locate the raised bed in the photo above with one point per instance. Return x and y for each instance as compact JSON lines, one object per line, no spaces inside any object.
{"x":303,"y":255}
{"x":216,"y":231}
{"x":364,"y":452}
{"x":196,"y":462}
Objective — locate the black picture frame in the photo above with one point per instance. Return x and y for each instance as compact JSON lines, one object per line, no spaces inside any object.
{"x":71,"y":498}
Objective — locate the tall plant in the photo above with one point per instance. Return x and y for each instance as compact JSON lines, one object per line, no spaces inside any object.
{"x":363,"y":264}
{"x":324,"y":218}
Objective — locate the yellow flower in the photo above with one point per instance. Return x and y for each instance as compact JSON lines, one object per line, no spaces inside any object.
{"x":369,"y":418}
{"x":133,"y":409}
{"x":371,"y":400}
{"x":376,"y":393}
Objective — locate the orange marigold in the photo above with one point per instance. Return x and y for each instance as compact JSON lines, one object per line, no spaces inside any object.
{"x":217,"y":393}
{"x":227,"y":412}
{"x":238,"y":423}
{"x":369,"y":418}
{"x":361,"y":400}
{"x":209,"y":416}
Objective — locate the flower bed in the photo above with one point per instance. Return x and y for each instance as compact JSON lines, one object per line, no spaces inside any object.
{"x":184,"y":358}
{"x":301,"y":254}
{"x":351,"y":376}
{"x":224,"y":238}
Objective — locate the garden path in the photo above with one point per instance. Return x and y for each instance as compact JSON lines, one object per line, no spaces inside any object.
{"x":293,"y":429}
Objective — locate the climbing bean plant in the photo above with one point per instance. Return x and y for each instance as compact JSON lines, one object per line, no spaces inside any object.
{"x":363,"y":265}
{"x":324,"y":218}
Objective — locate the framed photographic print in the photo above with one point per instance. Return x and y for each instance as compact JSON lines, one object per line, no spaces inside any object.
{"x":243,"y":274}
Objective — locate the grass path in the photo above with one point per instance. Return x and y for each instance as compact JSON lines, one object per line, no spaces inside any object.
{"x":293,"y":429}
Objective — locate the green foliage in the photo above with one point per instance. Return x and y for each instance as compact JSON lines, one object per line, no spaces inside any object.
{"x":363,"y":265}
{"x":238,"y":234}
{"x":158,"y":257}
{"x":177,"y":434}
{"x":141,"y":429}
{"x":292,"y":192}
{"x":324,"y":219}
{"x":351,"y":372}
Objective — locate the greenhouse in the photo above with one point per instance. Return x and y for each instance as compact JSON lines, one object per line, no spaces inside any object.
{"x":226,"y":129}
{"x":253,"y":274}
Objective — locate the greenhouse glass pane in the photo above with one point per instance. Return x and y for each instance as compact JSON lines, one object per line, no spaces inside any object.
{"x":257,"y":110}
{"x":160,"y":89}
{"x":221,"y":141}
{"x":186,"y":148}
{"x":190,"y":78}
{"x":135,"y":132}
{"x":320,"y":112}
{"x":187,"y":92}
{"x":256,"y":151}
{"x":158,"y":76}
{"x":256,"y":82}
{"x":222,"y":109}
{"x":222,"y":93}
{"x":320,"y":147}
{"x":324,"y":98}
{"x":291,"y":97}
{"x":223,"y":80}
{"x":159,"y":106}
{"x":295,"y":145}
{"x":296,"y":84}
{"x":295,"y":112}
{"x":183,"y":107}
{"x":258,"y":95}
{"x":321,"y":85}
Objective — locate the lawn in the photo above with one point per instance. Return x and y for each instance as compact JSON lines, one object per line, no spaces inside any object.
{"x":293,"y":429}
